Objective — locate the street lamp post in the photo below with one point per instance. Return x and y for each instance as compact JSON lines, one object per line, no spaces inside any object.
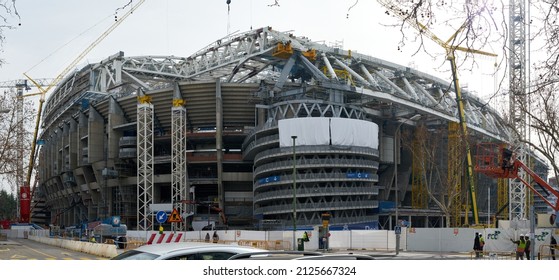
{"x":294,"y":196}
{"x":396,"y":159}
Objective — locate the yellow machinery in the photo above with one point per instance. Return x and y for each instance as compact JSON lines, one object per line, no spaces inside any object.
{"x":418,"y":186}
{"x":450,"y":56}
{"x":455,"y":177}
{"x":58,"y":78}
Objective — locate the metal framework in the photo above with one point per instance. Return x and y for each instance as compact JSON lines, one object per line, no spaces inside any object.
{"x":179,"y":176}
{"x":356,"y":86}
{"x":254,"y":56}
{"x":418,"y":187}
{"x":518,"y":104}
{"x":145,"y":162}
{"x":455,"y":173}
{"x":503,"y":197}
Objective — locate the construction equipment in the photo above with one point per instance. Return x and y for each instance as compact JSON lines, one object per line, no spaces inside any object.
{"x":497,"y":161}
{"x":211,"y":205}
{"x":450,"y":56}
{"x":23,"y":195}
{"x":43,"y":91}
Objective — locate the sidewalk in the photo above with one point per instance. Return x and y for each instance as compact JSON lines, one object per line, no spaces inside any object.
{"x":407,"y":255}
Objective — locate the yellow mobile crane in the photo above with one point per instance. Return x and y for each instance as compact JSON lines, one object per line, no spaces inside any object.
{"x":58,"y":78}
{"x":450,"y":51}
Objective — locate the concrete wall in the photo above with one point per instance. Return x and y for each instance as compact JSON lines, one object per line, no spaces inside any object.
{"x":102,"y":250}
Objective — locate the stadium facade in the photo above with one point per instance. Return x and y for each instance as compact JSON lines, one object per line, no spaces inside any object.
{"x":250,"y":131}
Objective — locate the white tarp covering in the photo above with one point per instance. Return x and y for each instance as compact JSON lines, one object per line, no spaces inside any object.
{"x":349,"y":132}
{"x":326,"y":131}
{"x":309,"y":131}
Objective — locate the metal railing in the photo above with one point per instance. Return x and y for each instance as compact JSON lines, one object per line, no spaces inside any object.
{"x":317,"y":206}
{"x":304,"y":192}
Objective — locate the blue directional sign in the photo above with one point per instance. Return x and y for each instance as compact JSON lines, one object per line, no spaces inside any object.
{"x":269,"y":179}
{"x":161,"y":217}
{"x":357,"y":175}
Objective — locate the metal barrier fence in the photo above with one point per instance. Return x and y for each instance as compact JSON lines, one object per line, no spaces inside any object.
{"x":545,"y":252}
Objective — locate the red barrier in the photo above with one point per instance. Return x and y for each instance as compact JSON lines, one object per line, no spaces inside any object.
{"x":170,"y":238}
{"x":150,"y":241}
{"x":179,"y":236}
{"x":160,"y":238}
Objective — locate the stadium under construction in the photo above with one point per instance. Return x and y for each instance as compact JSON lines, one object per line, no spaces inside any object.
{"x":262,"y":129}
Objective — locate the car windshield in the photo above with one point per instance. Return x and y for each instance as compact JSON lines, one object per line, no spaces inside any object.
{"x":135,"y":255}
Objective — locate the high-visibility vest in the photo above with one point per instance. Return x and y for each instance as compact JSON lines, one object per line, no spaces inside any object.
{"x":521,"y":246}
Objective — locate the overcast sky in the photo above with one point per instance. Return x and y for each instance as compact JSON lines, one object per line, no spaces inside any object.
{"x":54,"y":32}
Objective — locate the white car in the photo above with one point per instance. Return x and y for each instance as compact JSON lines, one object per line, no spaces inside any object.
{"x":185,"y":251}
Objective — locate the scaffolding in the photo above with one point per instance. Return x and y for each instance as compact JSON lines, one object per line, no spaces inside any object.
{"x":145,"y":162}
{"x":179,"y":176}
{"x":455,"y":171}
{"x":517,"y":101}
{"x":418,"y":187}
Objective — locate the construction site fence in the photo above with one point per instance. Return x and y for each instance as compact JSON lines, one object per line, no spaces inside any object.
{"x":498,"y":242}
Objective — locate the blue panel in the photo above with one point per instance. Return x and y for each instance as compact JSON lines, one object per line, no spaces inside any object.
{"x":269,"y":179}
{"x":386,"y":206}
{"x":357,"y":175}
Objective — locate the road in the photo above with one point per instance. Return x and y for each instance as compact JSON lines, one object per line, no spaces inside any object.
{"x":25,"y":249}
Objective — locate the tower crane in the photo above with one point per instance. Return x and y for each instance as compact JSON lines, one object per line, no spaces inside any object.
{"x":20,"y":86}
{"x":450,"y":56}
{"x":43,"y":91}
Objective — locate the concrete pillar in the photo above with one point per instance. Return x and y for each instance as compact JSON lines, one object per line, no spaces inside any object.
{"x":261,"y":116}
{"x":59,"y":161}
{"x":83,"y":126}
{"x":96,"y":138}
{"x":73,"y":144}
{"x":219,"y":143}
{"x":116,"y":117}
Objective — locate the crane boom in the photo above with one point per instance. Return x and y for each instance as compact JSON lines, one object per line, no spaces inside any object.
{"x":62,"y":75}
{"x":24,"y":213}
{"x":450,"y":49}
{"x":498,"y":162}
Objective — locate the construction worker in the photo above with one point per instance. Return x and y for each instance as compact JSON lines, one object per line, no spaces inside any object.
{"x":481,"y":243}
{"x":527,"y":249}
{"x":305,"y":237}
{"x":552,"y":245}
{"x":520,"y":247}
{"x":477,"y":245}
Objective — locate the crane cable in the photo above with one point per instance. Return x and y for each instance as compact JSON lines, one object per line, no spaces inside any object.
{"x":58,"y":78}
{"x":67,"y":43}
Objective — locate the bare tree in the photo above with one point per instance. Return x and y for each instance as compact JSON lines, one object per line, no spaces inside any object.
{"x":8,"y":15}
{"x":428,"y":147}
{"x":480,"y":23}
{"x":487,"y":25}
{"x":10,"y":144}
{"x":543,"y":119}
{"x":542,"y":108}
